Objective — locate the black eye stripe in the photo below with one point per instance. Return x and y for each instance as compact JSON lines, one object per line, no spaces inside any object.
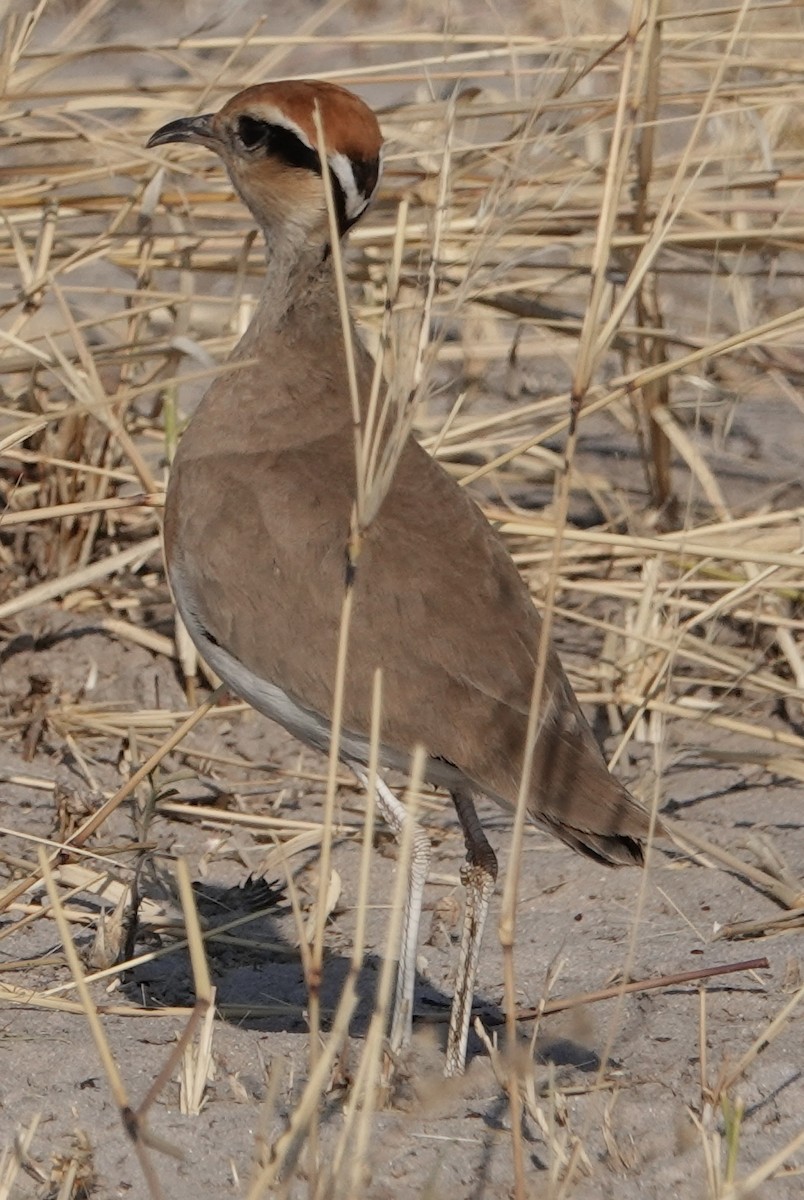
{"x":366,"y":173}
{"x":279,"y":142}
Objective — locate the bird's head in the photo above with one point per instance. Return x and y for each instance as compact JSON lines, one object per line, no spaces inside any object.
{"x":267,"y":138}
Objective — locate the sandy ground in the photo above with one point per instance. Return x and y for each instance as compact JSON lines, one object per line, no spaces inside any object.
{"x":619,"y":1080}
{"x":575,"y":920}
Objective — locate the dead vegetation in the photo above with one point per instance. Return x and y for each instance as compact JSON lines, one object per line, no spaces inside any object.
{"x":598,"y":233}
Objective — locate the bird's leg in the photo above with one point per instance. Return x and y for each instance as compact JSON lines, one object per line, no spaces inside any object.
{"x":478,"y":875}
{"x":396,"y":815}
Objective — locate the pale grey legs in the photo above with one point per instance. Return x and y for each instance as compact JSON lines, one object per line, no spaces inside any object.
{"x":396,"y":815}
{"x":478,"y":875}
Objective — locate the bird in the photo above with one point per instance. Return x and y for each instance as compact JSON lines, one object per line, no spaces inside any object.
{"x":259,"y":520}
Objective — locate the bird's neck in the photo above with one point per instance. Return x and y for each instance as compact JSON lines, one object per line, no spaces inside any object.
{"x":297,"y":273}
{"x":294,"y":347}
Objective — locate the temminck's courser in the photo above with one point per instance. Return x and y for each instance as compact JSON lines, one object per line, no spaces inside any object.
{"x":258,"y":520}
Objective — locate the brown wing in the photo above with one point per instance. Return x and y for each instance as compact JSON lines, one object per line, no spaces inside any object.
{"x":438,"y":604}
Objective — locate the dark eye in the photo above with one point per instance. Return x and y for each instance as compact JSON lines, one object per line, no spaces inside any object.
{"x":252,"y":131}
{"x":277,"y":141}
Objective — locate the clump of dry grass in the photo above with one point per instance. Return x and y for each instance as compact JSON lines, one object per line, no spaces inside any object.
{"x":602,"y":230}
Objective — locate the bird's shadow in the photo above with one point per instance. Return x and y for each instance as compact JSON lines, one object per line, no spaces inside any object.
{"x":260,"y":983}
{"x":257,"y":971}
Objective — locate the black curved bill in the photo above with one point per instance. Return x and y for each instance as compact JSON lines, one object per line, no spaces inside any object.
{"x":186,"y":129}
